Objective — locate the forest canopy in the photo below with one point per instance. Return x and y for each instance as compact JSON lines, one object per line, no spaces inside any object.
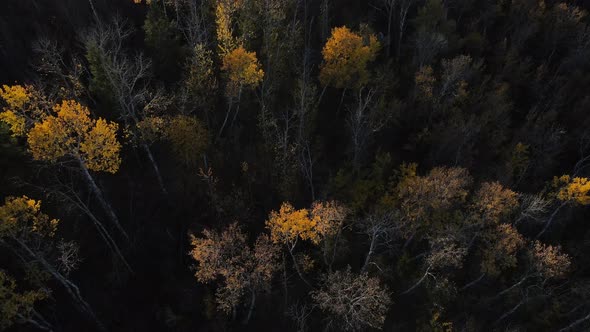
{"x":294,"y":165}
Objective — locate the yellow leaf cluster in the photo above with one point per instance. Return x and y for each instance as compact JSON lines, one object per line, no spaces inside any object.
{"x":15,"y":96}
{"x":288,"y":225}
{"x":223,"y":17}
{"x":16,"y":123}
{"x":574,"y":190}
{"x":100,"y":147}
{"x":243,"y":70}
{"x":16,"y":306}
{"x":346,"y":55}
{"x":22,"y":215}
{"x":21,"y":103}
{"x":72,"y":132}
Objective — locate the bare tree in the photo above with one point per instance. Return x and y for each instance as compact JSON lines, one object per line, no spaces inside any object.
{"x":379,"y":227}
{"x":403,"y":9}
{"x":428,"y":46}
{"x":127,"y":78}
{"x":388,"y":8}
{"x":444,"y":254}
{"x":364,"y":120}
{"x":354,"y":302}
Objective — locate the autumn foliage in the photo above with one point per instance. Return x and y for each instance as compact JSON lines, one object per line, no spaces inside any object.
{"x":70,"y":131}
{"x":243,"y":70}
{"x":240,"y":268}
{"x":346,"y":56}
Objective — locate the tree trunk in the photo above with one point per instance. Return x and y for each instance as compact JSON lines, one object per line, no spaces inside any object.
{"x":575,"y":323}
{"x":512,"y":287}
{"x":148,"y":151}
{"x":417,"y":283}
{"x":369,"y":254}
{"x":298,"y":270}
{"x":252,"y":305}
{"x":473,"y":282}
{"x":70,"y":287}
{"x":225,"y":120}
{"x":551,"y":218}
{"x":510,"y":312}
{"x":98,"y":193}
{"x":102,"y":231}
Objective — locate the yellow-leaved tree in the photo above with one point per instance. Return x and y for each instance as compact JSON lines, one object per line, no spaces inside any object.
{"x":575,"y":190}
{"x":289,"y":225}
{"x":18,"y":307}
{"x":346,"y":55}
{"x":243,"y":71}
{"x":23,"y":107}
{"x":224,"y":11}
{"x":30,"y":234}
{"x":69,"y":134}
{"x":568,"y":190}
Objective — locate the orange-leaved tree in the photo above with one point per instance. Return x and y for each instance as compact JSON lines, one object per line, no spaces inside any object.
{"x":346,"y":55}
{"x":242,"y":269}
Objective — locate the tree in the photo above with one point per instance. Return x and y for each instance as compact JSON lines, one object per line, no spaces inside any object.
{"x":403,"y":9}
{"x":346,"y":55}
{"x":354,"y":302}
{"x":433,"y":31}
{"x":224,"y":10}
{"x":388,"y":7}
{"x":493,"y":201}
{"x":568,"y":191}
{"x":419,"y":196}
{"x":379,"y":227}
{"x":30,"y":232}
{"x":24,"y":106}
{"x":444,"y":254}
{"x":288,"y":225}
{"x":200,"y":82}
{"x":499,"y":248}
{"x":545,"y":265}
{"x":70,"y":133}
{"x":241,"y":268}
{"x":19,"y":307}
{"x":122,"y":80}
{"x":365,"y":119}
{"x":243,"y":71}
{"x":188,"y":137}
{"x":575,"y":190}
{"x":329,"y":217}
